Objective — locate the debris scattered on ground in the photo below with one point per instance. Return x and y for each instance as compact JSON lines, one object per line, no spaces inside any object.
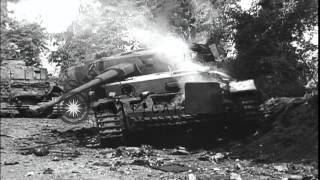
{"x":143,"y":151}
{"x":48,"y":171}
{"x":290,"y":135}
{"x":238,"y":166}
{"x":294,"y":177}
{"x":30,"y":173}
{"x":27,"y":152}
{"x":55,"y":158}
{"x":103,"y":163}
{"x":281,"y":168}
{"x":10,"y":162}
{"x":115,"y":165}
{"x":205,"y":157}
{"x":141,"y":162}
{"x":192,"y":177}
{"x":209,"y":156}
{"x":218,"y":157}
{"x":234,"y":176}
{"x":5,"y":135}
{"x":41,"y":146}
{"x":106,"y":151}
{"x":41,"y":151}
{"x":173,"y":167}
{"x":73,"y":153}
{"x":180,"y":151}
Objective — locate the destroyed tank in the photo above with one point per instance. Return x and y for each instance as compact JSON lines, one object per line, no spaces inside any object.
{"x":80,"y":74}
{"x":24,"y":86}
{"x":126,"y":98}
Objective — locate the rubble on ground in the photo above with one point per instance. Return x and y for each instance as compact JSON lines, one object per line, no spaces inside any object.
{"x":287,"y":149}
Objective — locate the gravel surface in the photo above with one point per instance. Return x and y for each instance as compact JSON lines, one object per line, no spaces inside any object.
{"x":50,"y":149}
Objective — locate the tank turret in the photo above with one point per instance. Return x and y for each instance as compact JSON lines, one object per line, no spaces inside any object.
{"x":77,"y":75}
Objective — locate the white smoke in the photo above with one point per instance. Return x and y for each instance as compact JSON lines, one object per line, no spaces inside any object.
{"x":168,"y":47}
{"x":174,"y":51}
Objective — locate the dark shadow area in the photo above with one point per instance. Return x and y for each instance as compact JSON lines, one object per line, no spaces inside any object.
{"x":192,"y":136}
{"x":289,"y":135}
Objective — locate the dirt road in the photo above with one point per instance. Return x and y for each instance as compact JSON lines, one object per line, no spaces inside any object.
{"x":67,"y":158}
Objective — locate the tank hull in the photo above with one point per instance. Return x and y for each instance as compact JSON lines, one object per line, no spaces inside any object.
{"x":178,"y":100}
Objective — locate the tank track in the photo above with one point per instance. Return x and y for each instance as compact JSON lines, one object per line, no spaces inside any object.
{"x":109,"y":126}
{"x":155,"y":120}
{"x":112,"y":128}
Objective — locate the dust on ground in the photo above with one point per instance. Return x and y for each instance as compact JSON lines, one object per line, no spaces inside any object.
{"x":285,"y":147}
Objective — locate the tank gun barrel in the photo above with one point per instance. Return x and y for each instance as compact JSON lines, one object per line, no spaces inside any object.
{"x":119,"y":70}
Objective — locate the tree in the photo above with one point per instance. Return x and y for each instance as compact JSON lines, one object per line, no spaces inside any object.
{"x":98,"y":30}
{"x":265,"y":38}
{"x":103,"y":30}
{"x":21,"y":40}
{"x":262,"y":38}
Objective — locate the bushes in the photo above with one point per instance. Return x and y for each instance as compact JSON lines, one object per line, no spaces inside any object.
{"x":271,"y":46}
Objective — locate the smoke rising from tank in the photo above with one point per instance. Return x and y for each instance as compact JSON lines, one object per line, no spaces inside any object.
{"x":144,"y":29}
{"x":129,"y":25}
{"x":169,"y":48}
{"x":147,"y":24}
{"x":174,"y":51}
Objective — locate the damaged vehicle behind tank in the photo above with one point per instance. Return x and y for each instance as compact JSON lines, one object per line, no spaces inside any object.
{"x":129,"y":94}
{"x":24,"y":86}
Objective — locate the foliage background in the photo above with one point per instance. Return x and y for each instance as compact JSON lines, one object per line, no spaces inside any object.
{"x":267,"y":42}
{"x":21,"y":40}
